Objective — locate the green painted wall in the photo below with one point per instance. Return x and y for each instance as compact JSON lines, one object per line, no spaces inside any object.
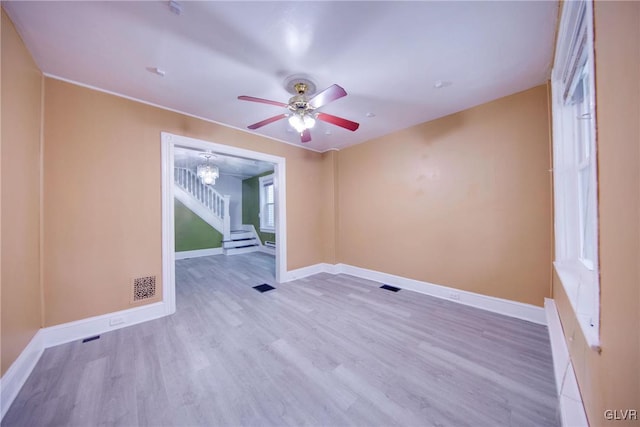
{"x":251,"y":205}
{"x":191,"y":232}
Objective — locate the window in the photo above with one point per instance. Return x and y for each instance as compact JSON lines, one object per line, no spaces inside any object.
{"x":575,"y":173}
{"x":267,"y":204}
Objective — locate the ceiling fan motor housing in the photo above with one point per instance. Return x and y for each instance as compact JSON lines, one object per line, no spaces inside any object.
{"x":299,"y":103}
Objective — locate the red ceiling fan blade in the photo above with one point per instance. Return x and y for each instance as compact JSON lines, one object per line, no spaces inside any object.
{"x":267,"y":121}
{"x":326,"y":96}
{"x":338,"y":121}
{"x":264,"y":101}
{"x":305,"y":136}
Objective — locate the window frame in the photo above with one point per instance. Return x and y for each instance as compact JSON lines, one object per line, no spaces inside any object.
{"x":263,"y":182}
{"x":574,"y":60}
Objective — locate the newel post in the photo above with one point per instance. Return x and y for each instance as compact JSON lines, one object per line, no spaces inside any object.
{"x":226,"y":218}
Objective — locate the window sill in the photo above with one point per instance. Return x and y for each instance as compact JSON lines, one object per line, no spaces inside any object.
{"x":570,"y":279}
{"x":267,"y":230}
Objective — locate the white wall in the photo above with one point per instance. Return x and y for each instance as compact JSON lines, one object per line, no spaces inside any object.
{"x":232,"y":186}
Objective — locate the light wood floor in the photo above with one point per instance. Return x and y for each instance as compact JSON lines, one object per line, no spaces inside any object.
{"x":326,"y":350}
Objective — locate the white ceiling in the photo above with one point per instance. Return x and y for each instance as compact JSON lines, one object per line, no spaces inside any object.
{"x":388,"y":56}
{"x":228,"y":165}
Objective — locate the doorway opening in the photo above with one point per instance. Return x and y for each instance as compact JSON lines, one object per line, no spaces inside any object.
{"x":179,"y":155}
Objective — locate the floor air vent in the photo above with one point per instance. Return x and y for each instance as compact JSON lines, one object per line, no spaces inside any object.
{"x":144,"y":288}
{"x":389,"y":288}
{"x":263,"y":288}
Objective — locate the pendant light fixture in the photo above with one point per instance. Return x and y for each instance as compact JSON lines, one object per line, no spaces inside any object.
{"x":207,"y":172}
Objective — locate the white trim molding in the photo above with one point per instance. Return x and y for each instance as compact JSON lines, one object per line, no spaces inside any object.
{"x":168,"y":224}
{"x":571,"y":406}
{"x":96,"y":325}
{"x":506,"y":307}
{"x":17,"y":374}
{"x":198,"y":253}
{"x":310,"y":270}
{"x":267,"y":250}
{"x":168,"y":142}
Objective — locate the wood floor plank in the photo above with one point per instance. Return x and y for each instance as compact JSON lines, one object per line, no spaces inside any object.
{"x":325,"y":350}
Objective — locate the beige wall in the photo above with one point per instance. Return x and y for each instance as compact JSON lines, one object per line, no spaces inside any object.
{"x":462,"y":201}
{"x":102,"y":197}
{"x":611,"y":380}
{"x":20,"y":194}
{"x":330,"y":206}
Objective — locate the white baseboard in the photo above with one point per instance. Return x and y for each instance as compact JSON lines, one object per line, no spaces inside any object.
{"x":198,"y":253}
{"x":267,"y":250}
{"x":17,"y":374}
{"x":509,"y":308}
{"x":303,"y":272}
{"x":67,"y":332}
{"x":571,"y":406}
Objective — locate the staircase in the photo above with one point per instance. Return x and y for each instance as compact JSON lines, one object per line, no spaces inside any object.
{"x":240,"y":242}
{"x":213,"y":208}
{"x":202,"y":200}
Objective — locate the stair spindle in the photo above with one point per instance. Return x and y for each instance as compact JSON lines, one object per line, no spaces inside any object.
{"x":207,"y":196}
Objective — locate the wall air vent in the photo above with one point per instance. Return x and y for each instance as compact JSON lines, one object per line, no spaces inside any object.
{"x":144,"y":288}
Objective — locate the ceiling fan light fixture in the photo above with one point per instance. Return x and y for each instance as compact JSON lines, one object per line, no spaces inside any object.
{"x":302,"y":113}
{"x":309,"y":122}
{"x":300,"y":122}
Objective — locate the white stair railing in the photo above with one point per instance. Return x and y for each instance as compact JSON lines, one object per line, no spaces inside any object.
{"x":213,"y":201}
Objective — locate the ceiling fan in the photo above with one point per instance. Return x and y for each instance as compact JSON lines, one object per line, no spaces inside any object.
{"x":302,"y":114}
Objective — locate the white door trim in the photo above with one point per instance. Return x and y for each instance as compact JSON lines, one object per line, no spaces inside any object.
{"x":169,"y":142}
